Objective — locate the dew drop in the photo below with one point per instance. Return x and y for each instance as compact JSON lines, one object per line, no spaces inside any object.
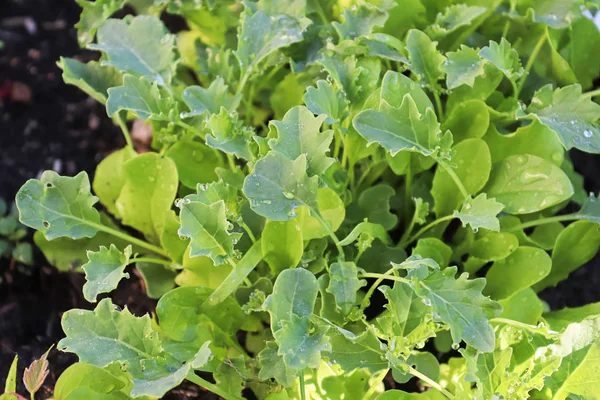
{"x":288,"y":195}
{"x":455,"y":346}
{"x":587,"y":133}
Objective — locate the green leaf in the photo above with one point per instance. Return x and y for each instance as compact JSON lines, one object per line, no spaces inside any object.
{"x":494,"y":246}
{"x":480,"y":212}
{"x":579,"y":349}
{"x":282,"y":244}
{"x":523,"y":268}
{"x":504,"y":57}
{"x":590,"y":209}
{"x":278,"y":186}
{"x":489,"y":370}
{"x":228,"y":134}
{"x":82,"y":378}
{"x":571,"y":116}
{"x":104,"y":270}
{"x":301,"y":345}
{"x":330,"y":207}
{"x":109,"y":178}
{"x":433,"y":248}
{"x":140,"y":96}
{"x":527,"y":183}
{"x":356,"y":78}
{"x":469,"y":119}
{"x":158,"y":279}
{"x":262,"y":34}
{"x":473,"y":164}
{"x":94,"y":79}
{"x":535,"y":139}
{"x":299,"y":133}
{"x":287,"y":94}
{"x":209,"y":100}
{"x":524,"y":306}
{"x":560,"y":319}
{"x":201,"y":271}
{"x":360,"y":21}
{"x":10,"y":385}
{"x":141,"y":47}
{"x":375,"y":231}
{"x":555,"y":14}
{"x":374,"y":203}
{"x":59,"y":206}
{"x":577,"y":244}
{"x":325,"y":100}
{"x":294,"y":293}
{"x":148,"y":193}
{"x":425,"y":59}
{"x":273,"y":366}
{"x":93,"y":15}
{"x":459,"y":303}
{"x":462,"y":67}
{"x":194,"y":161}
{"x":585,"y":42}
{"x":395,"y":86}
{"x":208,"y":230}
{"x":424,"y":362}
{"x":352,"y":351}
{"x":455,"y":17}
{"x":400,"y":129}
{"x":344,"y":285}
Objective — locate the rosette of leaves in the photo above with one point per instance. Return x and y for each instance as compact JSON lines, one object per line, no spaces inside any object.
{"x":313,"y":160}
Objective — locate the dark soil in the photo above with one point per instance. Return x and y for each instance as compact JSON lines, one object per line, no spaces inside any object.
{"x":45,"y":124}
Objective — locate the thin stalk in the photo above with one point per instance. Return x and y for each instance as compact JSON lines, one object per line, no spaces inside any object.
{"x":302,"y":388}
{"x":321,"y":13}
{"x":378,"y":379}
{"x":151,"y":261}
{"x":188,"y":127}
{"x":383,"y":277}
{"x":231,"y":162}
{"x":331,"y":233}
{"x":425,"y":229}
{"x":543,"y":221}
{"x":438,"y":104}
{"x":123,"y":125}
{"x":430,"y":382}
{"x":248,"y":231}
{"x":130,"y":239}
{"x":380,"y":278}
{"x":521,"y":325}
{"x":407,"y":194}
{"x":592,"y":93}
{"x":455,"y":178}
{"x":192,"y":377}
{"x":409,"y":229}
{"x":532,"y":59}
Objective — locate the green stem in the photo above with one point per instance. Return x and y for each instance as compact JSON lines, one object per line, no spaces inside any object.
{"x":248,"y":231}
{"x":242,"y":82}
{"x":192,"y":377}
{"x":407,"y":193}
{"x":237,"y":276}
{"x":438,"y":104}
{"x":188,"y":127}
{"x":330,"y":232}
{"x":231,"y":162}
{"x":380,"y":278}
{"x":383,"y":277}
{"x":430,"y":382}
{"x":532,"y":59}
{"x":520,"y":325}
{"x":126,"y":237}
{"x":151,"y":260}
{"x":321,"y":13}
{"x":378,"y":379}
{"x":455,"y":178}
{"x":302,"y":388}
{"x":592,"y":93}
{"x":123,"y":125}
{"x":542,"y":221}
{"x":425,"y":229}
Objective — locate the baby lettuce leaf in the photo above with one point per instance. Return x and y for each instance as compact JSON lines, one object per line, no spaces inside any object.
{"x":104,"y":270}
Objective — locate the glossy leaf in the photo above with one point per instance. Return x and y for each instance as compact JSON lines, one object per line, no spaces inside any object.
{"x":480,"y":212}
{"x":325,"y":100}
{"x":109,"y":178}
{"x":301,"y":345}
{"x":425,"y":59}
{"x":140,"y":96}
{"x":282,"y":244}
{"x":504,"y":57}
{"x":462,"y":67}
{"x":344,"y":284}
{"x":92,"y":77}
{"x":104,"y":270}
{"x":209,"y":100}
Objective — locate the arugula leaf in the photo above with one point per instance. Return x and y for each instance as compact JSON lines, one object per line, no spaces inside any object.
{"x":455,"y":17}
{"x":353,"y":351}
{"x":273,"y":366}
{"x":141,"y":47}
{"x":148,"y":193}
{"x":299,"y":133}
{"x":142,"y":97}
{"x":282,"y":244}
{"x":59,"y":206}
{"x":93,"y":15}
{"x":459,"y":303}
{"x":571,"y":116}
{"x":209,"y":100}
{"x":374,"y":204}
{"x":504,"y":57}
{"x":526,"y":183}
{"x":301,"y":345}
{"x":229,"y":134}
{"x":400,"y":129}
{"x":109,"y":179}
{"x":92,"y":77}
{"x":104,"y":271}
{"x":462,"y":67}
{"x":360,"y":21}
{"x":344,"y":284}
{"x":325,"y":100}
{"x":278,"y":186}
{"x":425,"y":59}
{"x":480,"y":212}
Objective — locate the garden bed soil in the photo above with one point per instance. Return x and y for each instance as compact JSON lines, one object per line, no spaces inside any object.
{"x":45,"y":124}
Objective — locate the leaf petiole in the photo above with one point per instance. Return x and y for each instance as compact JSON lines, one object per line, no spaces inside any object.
{"x":129,"y":238}
{"x":429,"y":381}
{"x":543,"y":221}
{"x":455,"y":178}
{"x":150,"y":260}
{"x":302,"y":388}
{"x":331,"y":233}
{"x":521,"y":325}
{"x":425,"y":229}
{"x":123,"y":125}
{"x":192,"y":377}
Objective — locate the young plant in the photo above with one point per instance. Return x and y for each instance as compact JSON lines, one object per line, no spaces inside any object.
{"x":359,"y":187}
